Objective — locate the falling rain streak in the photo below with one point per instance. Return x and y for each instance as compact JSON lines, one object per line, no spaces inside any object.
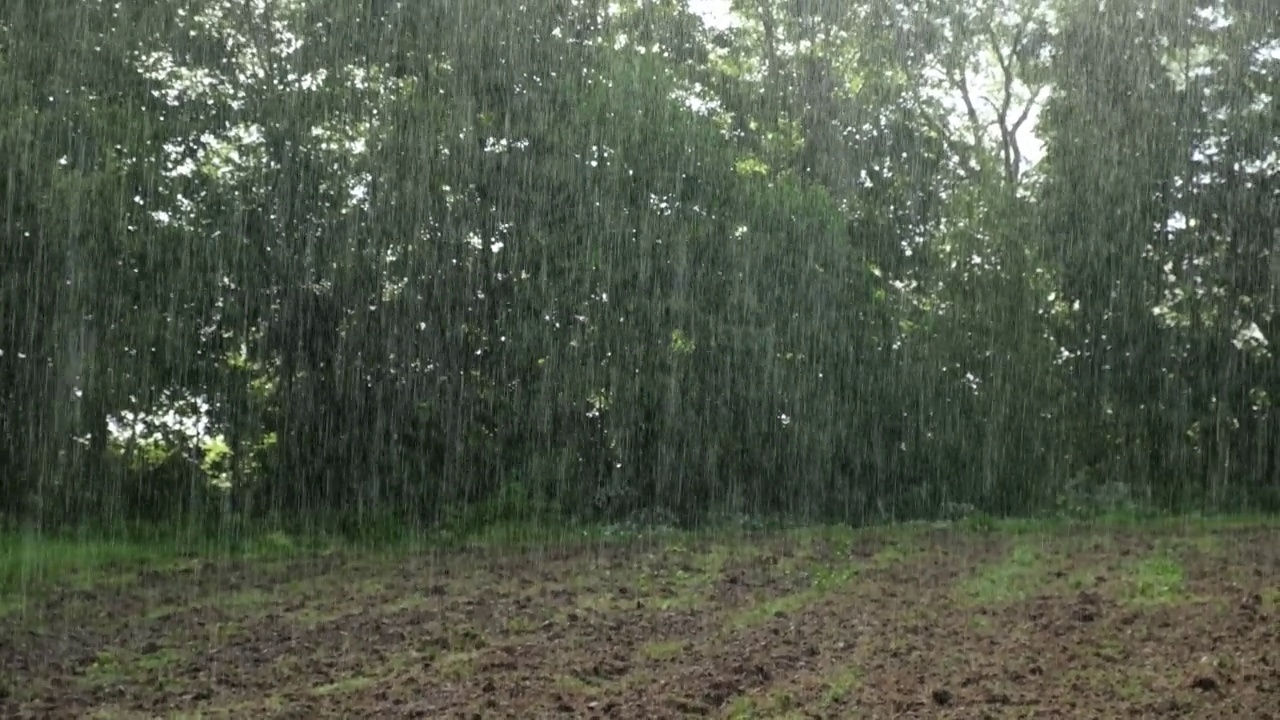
{"x":696,"y":344}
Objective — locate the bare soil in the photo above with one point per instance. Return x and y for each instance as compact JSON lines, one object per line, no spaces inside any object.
{"x":916,"y":622}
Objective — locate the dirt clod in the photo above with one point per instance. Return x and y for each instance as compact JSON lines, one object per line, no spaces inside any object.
{"x":1205,"y":683}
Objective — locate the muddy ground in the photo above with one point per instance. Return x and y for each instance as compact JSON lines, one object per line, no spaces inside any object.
{"x":915,"y":622}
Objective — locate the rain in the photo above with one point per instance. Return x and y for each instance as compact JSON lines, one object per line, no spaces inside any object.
{"x":639,"y":359}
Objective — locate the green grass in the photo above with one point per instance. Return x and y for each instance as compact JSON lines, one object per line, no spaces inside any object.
{"x":30,"y":562}
{"x":1138,"y":522}
{"x":662,"y":649}
{"x":386,"y":671}
{"x":1015,"y":578}
{"x":253,"y":602}
{"x":1126,"y":682}
{"x":113,"y":667}
{"x":822,"y":578}
{"x":1156,"y":580}
{"x":823,"y":581}
{"x":776,"y":608}
{"x":687,"y":587}
{"x":841,"y":684}
{"x":346,"y":685}
{"x":457,"y":665}
{"x":778,"y":705}
{"x":1028,"y":571}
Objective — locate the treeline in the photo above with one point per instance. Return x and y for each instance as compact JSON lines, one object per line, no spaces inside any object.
{"x":430,"y":263}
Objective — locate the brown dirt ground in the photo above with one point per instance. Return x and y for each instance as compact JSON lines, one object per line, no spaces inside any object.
{"x":917,"y":622}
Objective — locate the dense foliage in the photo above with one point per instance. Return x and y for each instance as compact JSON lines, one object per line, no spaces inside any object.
{"x":441,"y":262}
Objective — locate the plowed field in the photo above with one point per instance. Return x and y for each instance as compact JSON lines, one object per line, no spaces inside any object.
{"x":907,"y":622}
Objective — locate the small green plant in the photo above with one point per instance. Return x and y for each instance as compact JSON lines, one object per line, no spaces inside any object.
{"x":467,"y":638}
{"x":979,"y":522}
{"x":457,"y":665}
{"x":778,"y":705}
{"x":825,"y":580}
{"x":841,"y":684}
{"x":831,"y":578}
{"x":346,"y":685}
{"x":888,"y":555}
{"x":662,"y":649}
{"x":519,"y":625}
{"x":1158,"y":580}
{"x":1019,"y":575}
{"x":107,"y":667}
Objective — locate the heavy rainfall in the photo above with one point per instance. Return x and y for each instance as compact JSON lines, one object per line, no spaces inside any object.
{"x":639,"y":359}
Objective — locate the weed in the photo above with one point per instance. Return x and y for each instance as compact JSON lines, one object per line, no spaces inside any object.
{"x":346,"y":685}
{"x":741,"y":708}
{"x":583,"y":685}
{"x":1013,"y":579}
{"x":888,"y":555}
{"x":779,"y":705}
{"x":1157,"y":581}
{"x":779,"y":607}
{"x":1110,"y":651}
{"x":841,"y":684}
{"x":832,"y":578}
{"x":662,"y":649}
{"x":119,"y":667}
{"x":457,"y":665}
{"x":520,"y":625}
{"x":980,"y":523}
{"x":467,"y":638}
{"x":980,"y":622}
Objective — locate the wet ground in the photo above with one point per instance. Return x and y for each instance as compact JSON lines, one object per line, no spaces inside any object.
{"x":918,"y":622}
